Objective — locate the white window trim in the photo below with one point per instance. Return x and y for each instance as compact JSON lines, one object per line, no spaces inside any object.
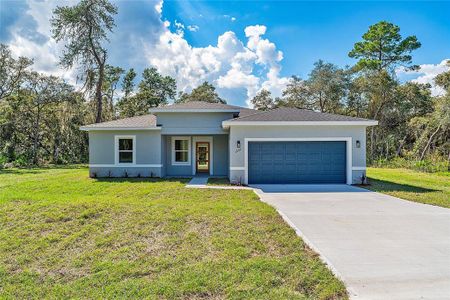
{"x":348,"y":141}
{"x":116,"y":149}
{"x":208,"y":139}
{"x":185,"y":138}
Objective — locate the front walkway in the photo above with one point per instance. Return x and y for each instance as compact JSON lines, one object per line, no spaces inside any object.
{"x":382,"y":247}
{"x":197,"y":181}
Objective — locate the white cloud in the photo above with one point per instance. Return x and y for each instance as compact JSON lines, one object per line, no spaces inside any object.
{"x":159,"y":7}
{"x":193,"y":28}
{"x":239,"y":67}
{"x":229,"y":17}
{"x":44,"y":53}
{"x":427,"y":73}
{"x":230,"y":64}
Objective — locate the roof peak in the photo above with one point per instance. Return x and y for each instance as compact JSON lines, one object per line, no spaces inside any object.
{"x":198,"y":106}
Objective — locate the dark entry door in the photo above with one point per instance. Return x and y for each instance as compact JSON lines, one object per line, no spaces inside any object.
{"x":202,"y":157}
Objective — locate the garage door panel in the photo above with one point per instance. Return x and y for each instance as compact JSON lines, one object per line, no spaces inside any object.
{"x":297,"y":162}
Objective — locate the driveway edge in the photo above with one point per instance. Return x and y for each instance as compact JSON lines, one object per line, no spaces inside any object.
{"x":311,"y":245}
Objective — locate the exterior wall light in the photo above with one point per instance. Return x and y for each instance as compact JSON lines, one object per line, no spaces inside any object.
{"x":238,"y":144}
{"x":358,"y":144}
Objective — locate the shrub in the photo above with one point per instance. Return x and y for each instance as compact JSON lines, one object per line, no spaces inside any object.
{"x":21,"y":161}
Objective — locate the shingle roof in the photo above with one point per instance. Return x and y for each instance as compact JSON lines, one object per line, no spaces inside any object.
{"x":245,"y":115}
{"x":294,"y":114}
{"x":198,"y":105}
{"x":145,"y":121}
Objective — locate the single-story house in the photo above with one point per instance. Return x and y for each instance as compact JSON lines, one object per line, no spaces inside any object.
{"x":283,"y":145}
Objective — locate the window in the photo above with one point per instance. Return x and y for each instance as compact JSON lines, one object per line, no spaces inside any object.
{"x":181,"y":150}
{"x":125,"y":149}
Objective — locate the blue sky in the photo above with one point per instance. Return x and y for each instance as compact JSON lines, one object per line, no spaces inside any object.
{"x":181,"y":38}
{"x":308,"y":31}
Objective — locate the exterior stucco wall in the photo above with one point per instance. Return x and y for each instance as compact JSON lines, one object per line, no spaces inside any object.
{"x":163,"y":155}
{"x":240,"y":133}
{"x":176,"y":170}
{"x":192,"y":123}
{"x":102,"y":154}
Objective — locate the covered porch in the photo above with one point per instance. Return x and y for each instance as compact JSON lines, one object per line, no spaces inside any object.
{"x":188,"y":155}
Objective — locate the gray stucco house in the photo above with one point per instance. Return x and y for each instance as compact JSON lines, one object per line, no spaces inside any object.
{"x":284,"y":145}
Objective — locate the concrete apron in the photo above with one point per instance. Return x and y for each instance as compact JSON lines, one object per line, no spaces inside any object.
{"x":381,"y":247}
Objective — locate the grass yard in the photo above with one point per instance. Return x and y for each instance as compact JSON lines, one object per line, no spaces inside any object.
{"x":64,"y":235}
{"x":429,"y":188}
{"x":218,"y":181}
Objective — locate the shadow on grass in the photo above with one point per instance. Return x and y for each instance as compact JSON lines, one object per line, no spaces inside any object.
{"x":388,"y":186}
{"x":40,"y":169}
{"x":21,"y":171}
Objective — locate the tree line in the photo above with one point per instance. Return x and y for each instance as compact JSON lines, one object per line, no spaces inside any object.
{"x":412,"y":123}
{"x":40,"y":115}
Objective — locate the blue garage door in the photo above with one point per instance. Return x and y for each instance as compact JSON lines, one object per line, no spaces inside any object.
{"x":296,"y":162}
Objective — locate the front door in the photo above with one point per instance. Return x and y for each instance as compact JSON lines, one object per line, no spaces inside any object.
{"x":202,"y":159}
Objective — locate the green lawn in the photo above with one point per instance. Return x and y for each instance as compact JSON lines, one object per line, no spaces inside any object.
{"x":429,"y":188}
{"x":63,"y":235}
{"x":218,"y":181}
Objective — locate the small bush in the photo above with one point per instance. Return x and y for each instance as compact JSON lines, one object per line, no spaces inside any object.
{"x":3,"y":160}
{"x":21,"y":162}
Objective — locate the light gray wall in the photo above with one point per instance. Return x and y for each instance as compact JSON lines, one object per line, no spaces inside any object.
{"x":192,"y":123}
{"x":163,"y":155}
{"x":102,"y":152}
{"x":242,"y":132}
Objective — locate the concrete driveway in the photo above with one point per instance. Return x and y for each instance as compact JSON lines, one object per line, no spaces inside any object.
{"x":382,"y":247}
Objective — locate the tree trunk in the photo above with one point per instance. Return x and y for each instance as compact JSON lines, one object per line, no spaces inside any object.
{"x":98,"y":93}
{"x":430,"y":140}
{"x":400,"y":147}
{"x":36,"y":135}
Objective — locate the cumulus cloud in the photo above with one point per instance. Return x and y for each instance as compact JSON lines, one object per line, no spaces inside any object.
{"x":427,"y":73}
{"x":239,"y":68}
{"x":29,"y":34}
{"x":230,"y":64}
{"x":32,"y":39}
